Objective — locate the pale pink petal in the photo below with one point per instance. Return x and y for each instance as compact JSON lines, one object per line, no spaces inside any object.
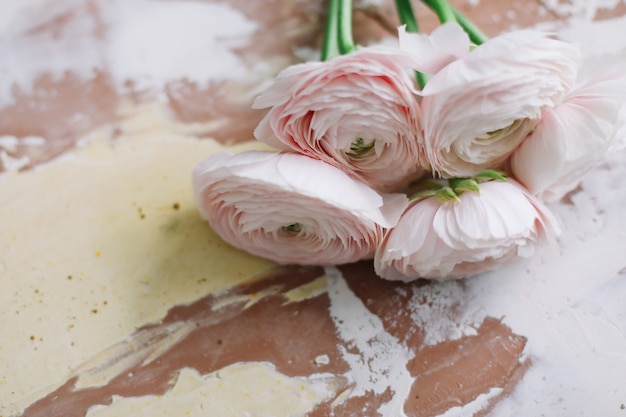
{"x":445,"y":44}
{"x":405,"y":240}
{"x":539,"y":160}
{"x":264,"y":130}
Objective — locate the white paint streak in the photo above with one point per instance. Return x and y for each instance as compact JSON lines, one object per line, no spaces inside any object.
{"x":571,"y":304}
{"x":150,"y":43}
{"x":12,"y":164}
{"x":579,"y":9}
{"x":377,"y":359}
{"x":435,"y":310}
{"x":154,"y":43}
{"x":475,"y":406}
{"x":11,"y":143}
{"x":29,"y":52}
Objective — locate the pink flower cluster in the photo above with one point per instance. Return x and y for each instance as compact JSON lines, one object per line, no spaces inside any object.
{"x":354,"y":134}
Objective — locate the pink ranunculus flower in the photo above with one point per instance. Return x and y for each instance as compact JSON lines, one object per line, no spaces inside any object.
{"x":357,"y":112}
{"x":438,"y":240}
{"x":576,"y":135}
{"x":478,"y":108}
{"x":292,"y":209}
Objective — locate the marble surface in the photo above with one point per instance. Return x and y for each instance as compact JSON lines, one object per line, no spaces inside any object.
{"x":118,"y":300}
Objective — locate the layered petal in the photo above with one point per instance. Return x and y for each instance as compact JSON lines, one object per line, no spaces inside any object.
{"x":576,"y":135}
{"x":438,"y":240}
{"x":357,"y":112}
{"x":479,"y":108}
{"x":292,"y":209}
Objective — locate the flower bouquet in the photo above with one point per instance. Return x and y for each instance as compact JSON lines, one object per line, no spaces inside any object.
{"x":434,"y":156}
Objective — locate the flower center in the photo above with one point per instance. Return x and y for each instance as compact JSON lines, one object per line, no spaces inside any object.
{"x":293,"y":228}
{"x":500,"y":133}
{"x":360,"y":149}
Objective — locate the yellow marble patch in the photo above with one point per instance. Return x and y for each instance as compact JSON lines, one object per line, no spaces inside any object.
{"x":232,"y":391}
{"x":100,"y":242}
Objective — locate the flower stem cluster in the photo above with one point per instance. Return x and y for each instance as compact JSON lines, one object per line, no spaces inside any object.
{"x":450,"y":192}
{"x":338,"y":34}
{"x":488,"y":130}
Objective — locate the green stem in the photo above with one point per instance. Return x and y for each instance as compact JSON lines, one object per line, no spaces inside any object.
{"x":476,"y":35}
{"x":330,"y":48}
{"x":346,"y":43}
{"x":407,"y":17}
{"x":442,"y":9}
